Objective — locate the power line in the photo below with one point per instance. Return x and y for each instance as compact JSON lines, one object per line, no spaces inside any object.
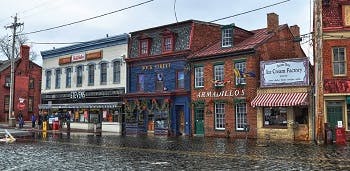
{"x":250,"y":11}
{"x":64,"y":25}
{"x":175,"y":10}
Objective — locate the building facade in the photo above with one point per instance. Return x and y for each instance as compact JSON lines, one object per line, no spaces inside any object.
{"x":87,"y":81}
{"x":336,"y":49}
{"x":158,"y":97}
{"x":27,"y":86}
{"x":226,"y":76}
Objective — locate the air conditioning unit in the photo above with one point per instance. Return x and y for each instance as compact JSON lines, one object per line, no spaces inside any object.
{"x":7,"y":84}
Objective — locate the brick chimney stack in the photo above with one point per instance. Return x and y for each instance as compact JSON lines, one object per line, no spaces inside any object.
{"x":295,"y":30}
{"x":272,"y":22}
{"x":25,"y":56}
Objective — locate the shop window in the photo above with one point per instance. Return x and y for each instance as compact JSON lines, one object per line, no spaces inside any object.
{"x":180,"y":80}
{"x":68,"y":77}
{"x":241,"y":116}
{"x":48,"y":79}
{"x":219,"y":116}
{"x":141,"y":82}
{"x":301,"y":115}
{"x":6,"y":103}
{"x":275,"y":116}
{"x":159,"y":82}
{"x":241,"y":67}
{"x":339,"y":61}
{"x":199,"y":77}
{"x":58,"y":78}
{"x":91,"y":74}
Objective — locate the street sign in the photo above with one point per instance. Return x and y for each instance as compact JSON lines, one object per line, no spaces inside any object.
{"x":21,"y":106}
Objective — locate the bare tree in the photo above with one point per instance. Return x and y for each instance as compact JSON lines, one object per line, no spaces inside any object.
{"x":6,"y":47}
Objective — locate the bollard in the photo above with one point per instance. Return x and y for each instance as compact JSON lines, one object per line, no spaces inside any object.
{"x":44,"y":126}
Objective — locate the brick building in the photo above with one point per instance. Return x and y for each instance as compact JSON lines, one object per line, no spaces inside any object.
{"x":226,"y":76}
{"x":158,"y":97}
{"x":27,"y":85}
{"x":336,"y":45}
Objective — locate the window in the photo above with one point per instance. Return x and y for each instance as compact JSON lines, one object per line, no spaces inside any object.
{"x":346,"y":15}
{"x":141,"y":82}
{"x":275,"y":116}
{"x":227,"y":37}
{"x":6,"y":103}
{"x":180,"y":82}
{"x":159,"y":82}
{"x":241,"y":116}
{"x":116,"y":72}
{"x":144,"y":47}
{"x":8,"y":79}
{"x":219,"y":72}
{"x":168,"y":44}
{"x":219,"y":116}
{"x":31,"y":83}
{"x":91,"y":74}
{"x":79,"y":76}
{"x":199,"y":77}
{"x":241,"y":66}
{"x":339,"y":61}
{"x":301,"y":115}
{"x":103,"y":71}
{"x":58,"y":78}
{"x":68,"y":77}
{"x":48,"y":79}
{"x":30,"y":104}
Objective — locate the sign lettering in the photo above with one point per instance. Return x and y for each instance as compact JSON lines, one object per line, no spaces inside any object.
{"x":224,"y":93}
{"x":77,"y":95}
{"x":156,"y":66}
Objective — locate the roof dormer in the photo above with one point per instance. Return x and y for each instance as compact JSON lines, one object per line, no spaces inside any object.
{"x":227,"y":35}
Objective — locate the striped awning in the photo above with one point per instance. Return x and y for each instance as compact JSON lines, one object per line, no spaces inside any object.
{"x":81,"y":105}
{"x":281,"y":99}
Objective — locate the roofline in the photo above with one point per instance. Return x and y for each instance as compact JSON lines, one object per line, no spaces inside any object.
{"x":175,"y":24}
{"x":85,"y":46}
{"x":222,"y":55}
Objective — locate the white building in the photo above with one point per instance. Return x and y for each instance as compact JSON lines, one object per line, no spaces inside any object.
{"x":86,"y":80}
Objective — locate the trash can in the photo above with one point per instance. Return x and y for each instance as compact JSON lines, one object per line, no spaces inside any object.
{"x":340,"y":137}
{"x":55,"y":125}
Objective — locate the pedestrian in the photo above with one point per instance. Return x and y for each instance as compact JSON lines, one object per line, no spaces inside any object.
{"x":33,"y":121}
{"x":68,"y":120}
{"x":40,"y":120}
{"x":20,"y":120}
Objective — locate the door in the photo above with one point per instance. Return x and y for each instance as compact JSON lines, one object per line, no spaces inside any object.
{"x":334,"y":114}
{"x":180,"y":119}
{"x":199,"y":120}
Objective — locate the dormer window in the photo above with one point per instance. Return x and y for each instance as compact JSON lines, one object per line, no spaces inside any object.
{"x":227,"y":38}
{"x":168,"y":41}
{"x":144,"y":47}
{"x":346,"y":15}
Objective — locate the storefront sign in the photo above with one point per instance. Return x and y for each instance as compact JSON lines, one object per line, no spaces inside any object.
{"x":224,"y":93}
{"x":156,"y":66}
{"x":77,"y":95}
{"x":285,"y":73}
{"x":78,"y":57}
{"x":96,"y":93}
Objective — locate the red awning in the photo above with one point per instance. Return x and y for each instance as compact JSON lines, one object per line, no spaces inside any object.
{"x":280,"y":99}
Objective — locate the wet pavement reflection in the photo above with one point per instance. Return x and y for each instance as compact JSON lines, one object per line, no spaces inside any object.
{"x":88,"y":151}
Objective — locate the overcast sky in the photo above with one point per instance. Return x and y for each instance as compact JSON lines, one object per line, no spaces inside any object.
{"x":42,"y":14}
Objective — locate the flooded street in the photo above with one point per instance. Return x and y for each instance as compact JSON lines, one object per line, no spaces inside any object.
{"x":87,"y":151}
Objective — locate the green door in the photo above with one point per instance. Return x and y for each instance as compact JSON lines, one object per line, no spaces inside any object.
{"x":334,"y":114}
{"x":199,"y":120}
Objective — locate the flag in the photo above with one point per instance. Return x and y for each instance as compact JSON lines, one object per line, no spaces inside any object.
{"x":237,"y":72}
{"x":250,"y":74}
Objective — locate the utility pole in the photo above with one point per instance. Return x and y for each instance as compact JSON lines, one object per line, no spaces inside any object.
{"x":11,"y":119}
{"x":319,"y":99}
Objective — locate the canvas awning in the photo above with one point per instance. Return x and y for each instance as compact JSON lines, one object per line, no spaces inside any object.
{"x":280,"y":99}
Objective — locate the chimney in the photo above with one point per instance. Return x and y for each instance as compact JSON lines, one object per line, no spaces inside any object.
{"x":25,"y":56}
{"x":295,"y":30}
{"x":272,"y":22}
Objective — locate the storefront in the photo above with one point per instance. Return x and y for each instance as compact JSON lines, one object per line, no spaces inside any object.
{"x":283,"y":101}
{"x":89,"y":110}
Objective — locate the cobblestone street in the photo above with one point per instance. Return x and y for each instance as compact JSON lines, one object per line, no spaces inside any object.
{"x":87,"y":151}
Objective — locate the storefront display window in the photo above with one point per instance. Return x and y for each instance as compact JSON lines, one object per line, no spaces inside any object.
{"x":275,"y":116}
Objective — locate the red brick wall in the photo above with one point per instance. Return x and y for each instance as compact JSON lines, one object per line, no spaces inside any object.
{"x":24,"y":70}
{"x":204,"y":35}
{"x":327,"y":56}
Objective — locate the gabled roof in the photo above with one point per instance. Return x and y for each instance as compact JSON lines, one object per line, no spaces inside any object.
{"x":6,"y":63}
{"x":259,"y":36}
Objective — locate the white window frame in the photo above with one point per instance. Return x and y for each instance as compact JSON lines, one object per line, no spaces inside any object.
{"x":116,"y":72}
{"x":337,"y":62}
{"x":58,"y":78}
{"x":227,"y":40}
{"x":219,"y":116}
{"x":91,"y":74}
{"x":68,"y":77}
{"x":48,"y":79}
{"x":241,"y":115}
{"x":219,"y":72}
{"x":241,"y":66}
{"x":199,"y":77}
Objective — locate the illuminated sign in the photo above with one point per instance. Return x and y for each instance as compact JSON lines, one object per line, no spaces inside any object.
{"x":156,"y":66}
{"x":78,"y":57}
